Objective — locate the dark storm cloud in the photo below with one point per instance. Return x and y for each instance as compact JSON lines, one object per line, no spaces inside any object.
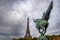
{"x":8,"y":27}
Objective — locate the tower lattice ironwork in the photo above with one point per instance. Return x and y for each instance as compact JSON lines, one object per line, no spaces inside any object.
{"x":28,"y":35}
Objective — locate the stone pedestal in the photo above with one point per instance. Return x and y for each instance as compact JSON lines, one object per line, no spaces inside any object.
{"x":42,"y":37}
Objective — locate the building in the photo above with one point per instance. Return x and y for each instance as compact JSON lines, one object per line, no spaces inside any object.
{"x":28,"y":35}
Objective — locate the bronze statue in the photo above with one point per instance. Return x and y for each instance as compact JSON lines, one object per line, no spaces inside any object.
{"x":42,"y":24}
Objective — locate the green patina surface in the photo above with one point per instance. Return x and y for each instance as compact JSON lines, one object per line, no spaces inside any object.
{"x":42,"y":37}
{"x":40,"y":23}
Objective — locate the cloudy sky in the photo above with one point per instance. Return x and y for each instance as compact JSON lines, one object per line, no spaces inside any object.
{"x":14,"y":13}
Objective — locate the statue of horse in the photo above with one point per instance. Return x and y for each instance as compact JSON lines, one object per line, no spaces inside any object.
{"x":42,"y":24}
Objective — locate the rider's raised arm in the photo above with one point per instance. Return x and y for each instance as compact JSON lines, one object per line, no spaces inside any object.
{"x":46,"y":14}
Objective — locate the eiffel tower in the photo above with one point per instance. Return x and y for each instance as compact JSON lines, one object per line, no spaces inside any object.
{"x":27,"y":35}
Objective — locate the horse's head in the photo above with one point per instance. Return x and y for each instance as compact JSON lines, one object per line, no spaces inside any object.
{"x":36,"y":20}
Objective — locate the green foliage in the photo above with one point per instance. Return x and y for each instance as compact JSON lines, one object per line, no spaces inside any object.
{"x":35,"y":38}
{"x":47,"y":36}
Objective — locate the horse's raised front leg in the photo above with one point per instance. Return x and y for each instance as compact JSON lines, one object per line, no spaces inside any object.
{"x":42,"y":30}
